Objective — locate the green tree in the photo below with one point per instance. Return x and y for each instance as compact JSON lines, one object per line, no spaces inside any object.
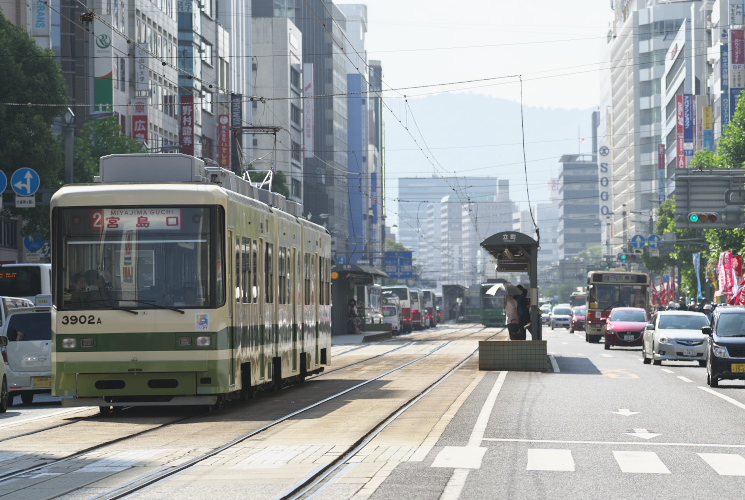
{"x":395,"y":246}
{"x":592,"y":255}
{"x":100,"y":138}
{"x":30,"y":75}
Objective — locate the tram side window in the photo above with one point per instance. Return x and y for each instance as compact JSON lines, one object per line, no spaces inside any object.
{"x":269,"y":273}
{"x":246,"y":270}
{"x":281,"y":276}
{"x":306,"y":271}
{"x":288,"y":281}
{"x":238,"y":283}
{"x":255,"y":272}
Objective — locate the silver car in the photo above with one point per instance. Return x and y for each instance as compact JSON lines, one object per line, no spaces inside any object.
{"x":675,"y":336}
{"x":561,"y":316}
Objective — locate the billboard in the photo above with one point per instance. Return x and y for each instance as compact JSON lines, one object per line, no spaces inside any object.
{"x":689,"y":124}
{"x":680,"y":126}
{"x":737,"y":59}
{"x":103,"y":65}
{"x":186,"y":118}
{"x":236,"y":120}
{"x":308,"y":110}
{"x":604,"y":159}
{"x":223,"y":141}
{"x":140,"y":119}
{"x":398,"y":265}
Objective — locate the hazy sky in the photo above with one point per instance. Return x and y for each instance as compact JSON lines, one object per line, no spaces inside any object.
{"x":556,"y":46}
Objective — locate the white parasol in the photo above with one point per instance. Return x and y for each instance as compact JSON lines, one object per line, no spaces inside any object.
{"x":506,"y":288}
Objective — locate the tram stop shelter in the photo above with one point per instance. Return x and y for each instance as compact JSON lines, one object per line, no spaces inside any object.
{"x":452,"y":297}
{"x":344,"y":280}
{"x":516,"y":252}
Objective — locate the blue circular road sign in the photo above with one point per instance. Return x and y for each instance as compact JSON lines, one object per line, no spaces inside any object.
{"x":3,"y":181}
{"x":654,"y":241}
{"x":33,"y":243}
{"x":638,"y":241}
{"x":25,"y":182}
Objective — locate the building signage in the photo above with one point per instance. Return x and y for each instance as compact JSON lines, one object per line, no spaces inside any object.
{"x":734,"y":100}
{"x":103,"y":65}
{"x":236,"y":120}
{"x":140,"y":119}
{"x":604,"y":175}
{"x":689,"y":124}
{"x":724,"y":66}
{"x":308,"y":111}
{"x":186,"y":138}
{"x":737,"y":59}
{"x":736,"y":12}
{"x":725,"y":109}
{"x":223,"y":140}
{"x":41,"y":25}
{"x":661,"y":172}
{"x":707,"y":121}
{"x":142,"y":69}
{"x":679,"y":120}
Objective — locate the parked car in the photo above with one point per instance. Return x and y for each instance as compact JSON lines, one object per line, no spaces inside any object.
{"x":579,"y":318}
{"x":725,"y":345}
{"x":4,"y":393}
{"x":392,"y":316}
{"x":545,"y":313}
{"x":28,"y":355}
{"x":561,"y":316}
{"x":675,"y":336}
{"x":625,"y":327}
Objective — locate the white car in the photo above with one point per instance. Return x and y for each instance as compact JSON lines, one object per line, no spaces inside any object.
{"x":4,"y":393}
{"x":392,"y":315}
{"x":561,"y":316}
{"x":28,"y":354}
{"x":675,"y":336}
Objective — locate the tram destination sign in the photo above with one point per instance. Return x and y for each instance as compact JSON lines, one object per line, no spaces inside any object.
{"x":620,"y":278}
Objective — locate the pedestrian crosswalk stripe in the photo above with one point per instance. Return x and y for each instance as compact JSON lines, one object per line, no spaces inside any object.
{"x":726,"y":464}
{"x":556,"y":460}
{"x":640,"y":462}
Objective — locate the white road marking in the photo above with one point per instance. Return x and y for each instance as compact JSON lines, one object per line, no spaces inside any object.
{"x":726,"y":398}
{"x":458,"y":479}
{"x":554,"y":364}
{"x":684,"y":379}
{"x":625,"y":412}
{"x":121,"y":461}
{"x":726,"y":464}
{"x":460,"y":457}
{"x":44,"y":417}
{"x":616,"y":443}
{"x":554,"y":460}
{"x":640,"y":462}
{"x":606,"y":356}
{"x":666,"y":370}
{"x":642,"y":433}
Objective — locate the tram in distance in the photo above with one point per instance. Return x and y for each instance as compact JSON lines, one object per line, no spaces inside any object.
{"x":176,"y":282}
{"x":492,"y":306}
{"x":609,"y":289}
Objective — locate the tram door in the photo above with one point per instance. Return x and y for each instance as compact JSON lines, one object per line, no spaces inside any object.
{"x":232,"y":283}
{"x":259,"y":254}
{"x":291,"y":297}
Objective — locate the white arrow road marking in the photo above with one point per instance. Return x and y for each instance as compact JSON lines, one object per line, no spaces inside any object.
{"x":642,"y":433}
{"x":625,"y":412}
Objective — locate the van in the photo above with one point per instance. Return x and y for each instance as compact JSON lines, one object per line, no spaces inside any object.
{"x":28,"y":355}
{"x":25,"y":280}
{"x":392,"y":316}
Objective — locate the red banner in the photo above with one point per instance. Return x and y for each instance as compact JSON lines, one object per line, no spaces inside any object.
{"x":680,"y":127}
{"x":223,"y":144}
{"x":724,"y":273}
{"x":187,"y":124}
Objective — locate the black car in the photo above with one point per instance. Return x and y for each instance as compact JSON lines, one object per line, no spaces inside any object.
{"x":725,"y":350}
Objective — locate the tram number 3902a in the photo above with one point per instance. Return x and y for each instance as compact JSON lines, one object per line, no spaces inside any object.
{"x":81,"y":320}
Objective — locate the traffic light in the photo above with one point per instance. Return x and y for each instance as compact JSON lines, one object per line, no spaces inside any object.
{"x":703,"y":217}
{"x":623,"y":257}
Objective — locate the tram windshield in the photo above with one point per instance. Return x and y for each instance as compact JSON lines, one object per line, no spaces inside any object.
{"x":139,"y":258}
{"x":609,"y":296}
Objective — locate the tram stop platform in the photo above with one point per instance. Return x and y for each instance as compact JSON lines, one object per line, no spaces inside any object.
{"x":361,"y":338}
{"x":514,"y":355}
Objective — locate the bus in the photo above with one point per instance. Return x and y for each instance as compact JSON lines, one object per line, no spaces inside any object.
{"x":578,"y":298}
{"x":403,"y":293}
{"x":429,"y":308}
{"x":25,"y":281}
{"x":369,"y":303}
{"x":492,"y":307}
{"x":609,"y":289}
{"x":417,"y":308}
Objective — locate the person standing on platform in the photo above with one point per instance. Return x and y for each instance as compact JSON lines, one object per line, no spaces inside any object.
{"x":513,"y":319}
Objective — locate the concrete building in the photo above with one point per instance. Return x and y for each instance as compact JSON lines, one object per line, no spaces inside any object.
{"x":641,"y":35}
{"x":579,"y":213}
{"x":277,"y":46}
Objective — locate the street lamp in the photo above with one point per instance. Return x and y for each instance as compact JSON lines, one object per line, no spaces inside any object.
{"x":69,"y":119}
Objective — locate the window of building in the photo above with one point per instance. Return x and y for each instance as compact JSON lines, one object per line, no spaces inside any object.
{"x":206,"y":50}
{"x":651,"y":116}
{"x":295,"y":115}
{"x":295,"y":78}
{"x":296,"y":188}
{"x":296,"y":152}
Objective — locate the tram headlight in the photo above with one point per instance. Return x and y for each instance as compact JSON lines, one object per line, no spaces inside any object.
{"x":204,"y":341}
{"x":69,"y":343}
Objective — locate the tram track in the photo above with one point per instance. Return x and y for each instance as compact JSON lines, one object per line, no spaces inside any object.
{"x":163,"y":474}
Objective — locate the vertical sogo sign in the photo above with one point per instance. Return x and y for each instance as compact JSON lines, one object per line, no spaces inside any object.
{"x":604,"y":178}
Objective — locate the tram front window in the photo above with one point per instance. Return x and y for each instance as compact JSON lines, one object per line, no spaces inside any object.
{"x":138,"y":258}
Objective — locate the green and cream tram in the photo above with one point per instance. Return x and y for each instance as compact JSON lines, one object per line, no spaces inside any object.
{"x":181,"y":283}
